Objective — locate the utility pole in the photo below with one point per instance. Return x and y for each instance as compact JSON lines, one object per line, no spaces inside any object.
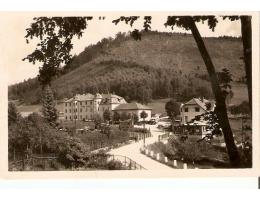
{"x":75,"y":114}
{"x":242,"y":131}
{"x":41,"y":143}
{"x":143,"y":96}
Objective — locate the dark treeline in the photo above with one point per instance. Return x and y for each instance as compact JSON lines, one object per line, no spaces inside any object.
{"x":129,"y":80}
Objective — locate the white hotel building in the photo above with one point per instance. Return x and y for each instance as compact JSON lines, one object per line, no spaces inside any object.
{"x":84,"y":107}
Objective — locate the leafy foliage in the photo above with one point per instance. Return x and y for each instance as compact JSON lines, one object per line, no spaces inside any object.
{"x":172,"y":108}
{"x":242,"y":108}
{"x":53,"y":50}
{"x":116,"y":117}
{"x":225,"y":78}
{"x":143,"y":115}
{"x":107,"y":115}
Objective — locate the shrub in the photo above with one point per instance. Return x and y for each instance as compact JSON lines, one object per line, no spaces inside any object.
{"x":114,"y":165}
{"x":190,"y":150}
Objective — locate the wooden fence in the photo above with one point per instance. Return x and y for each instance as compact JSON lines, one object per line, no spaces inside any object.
{"x":24,"y":164}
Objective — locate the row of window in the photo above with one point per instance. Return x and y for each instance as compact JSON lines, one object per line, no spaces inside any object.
{"x":80,"y":103}
{"x":197,"y":109}
{"x":76,"y":117}
{"x":80,"y":110}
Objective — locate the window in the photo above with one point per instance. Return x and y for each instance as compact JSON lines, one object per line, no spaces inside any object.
{"x":66,"y":117}
{"x":81,"y":110}
{"x":186,"y":109}
{"x":70,"y":104}
{"x":197,"y":109}
{"x":65,"y":104}
{"x":76,"y":110}
{"x":75,"y":117}
{"x":70,"y":117}
{"x":91,"y":103}
{"x":65,"y":110}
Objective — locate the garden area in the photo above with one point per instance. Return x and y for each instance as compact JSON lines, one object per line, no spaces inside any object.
{"x":194,"y":153}
{"x":35,"y":144}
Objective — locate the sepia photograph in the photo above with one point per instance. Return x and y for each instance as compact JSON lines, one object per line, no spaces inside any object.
{"x":119,"y":91}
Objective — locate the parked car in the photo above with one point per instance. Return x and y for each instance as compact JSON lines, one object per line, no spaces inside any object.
{"x":152,"y":122}
{"x":164,"y":122}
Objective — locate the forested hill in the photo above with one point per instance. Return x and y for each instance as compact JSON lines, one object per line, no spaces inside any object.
{"x":160,"y":65}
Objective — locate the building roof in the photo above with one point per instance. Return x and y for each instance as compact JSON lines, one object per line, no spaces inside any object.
{"x":202,"y":102}
{"x":81,"y":97}
{"x":106,"y":98}
{"x":132,"y":106}
{"x":112,"y":99}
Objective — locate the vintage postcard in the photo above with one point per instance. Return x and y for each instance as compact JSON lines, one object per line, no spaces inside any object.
{"x":129,"y":94}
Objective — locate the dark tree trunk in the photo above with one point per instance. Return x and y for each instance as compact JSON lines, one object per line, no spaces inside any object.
{"x":246,"y":30}
{"x":221,"y":109}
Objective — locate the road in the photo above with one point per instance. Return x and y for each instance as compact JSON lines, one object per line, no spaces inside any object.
{"x":133,"y":151}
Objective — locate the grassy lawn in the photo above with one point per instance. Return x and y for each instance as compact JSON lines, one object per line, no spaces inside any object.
{"x":79,"y":124}
{"x":236,"y":127}
{"x":96,"y":139}
{"x":240,"y":93}
{"x":158,"y":105}
{"x":34,"y":108}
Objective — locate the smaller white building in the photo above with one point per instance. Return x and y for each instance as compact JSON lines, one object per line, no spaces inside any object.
{"x":193,"y":108}
{"x":134,"y":108}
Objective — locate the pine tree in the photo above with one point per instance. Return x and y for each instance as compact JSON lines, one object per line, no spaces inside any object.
{"x":48,"y":105}
{"x":13,"y":114}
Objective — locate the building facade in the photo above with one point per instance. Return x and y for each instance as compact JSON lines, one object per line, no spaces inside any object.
{"x":86,"y":106}
{"x":191,"y":109}
{"x":134,"y":108}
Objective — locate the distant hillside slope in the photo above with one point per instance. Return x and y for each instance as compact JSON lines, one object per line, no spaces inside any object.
{"x":161,"y":65}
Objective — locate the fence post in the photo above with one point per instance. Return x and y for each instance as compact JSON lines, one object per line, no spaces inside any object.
{"x":146,"y":151}
{"x":130,"y":166}
{"x":151,"y":153}
{"x":157,"y":156}
{"x":166,"y":159}
{"x":175,"y":163}
{"x":23,"y":164}
{"x":185,"y":166}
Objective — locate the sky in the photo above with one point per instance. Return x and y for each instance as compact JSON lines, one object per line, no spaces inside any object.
{"x":14,"y":47}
